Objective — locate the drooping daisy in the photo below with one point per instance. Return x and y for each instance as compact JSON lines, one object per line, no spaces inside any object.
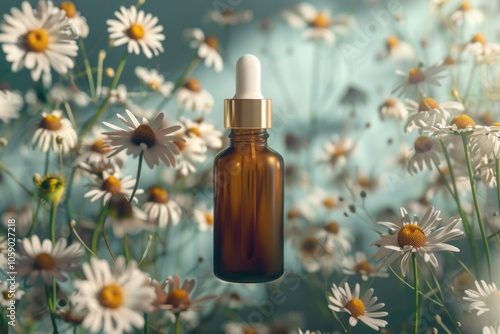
{"x":461,"y":124}
{"x":424,"y":154}
{"x":229,"y":17}
{"x":125,"y":218}
{"x":398,"y":49}
{"x":192,"y":151}
{"x":337,"y":151}
{"x":393,"y":108}
{"x":111,"y":184}
{"x":78,"y":22}
{"x":491,"y":330}
{"x":204,"y":217}
{"x":160,"y":207}
{"x":60,"y":94}
{"x":207,"y":48}
{"x":416,"y":77}
{"x":359,"y":265}
{"x":484,"y":299}
{"x":483,"y":50}
{"x":466,"y":13}
{"x":359,"y":308}
{"x":38,"y":39}
{"x":113,"y":299}
{"x":406,"y":237}
{"x":51,"y":127}
{"x":151,"y":140}
{"x":11,"y":103}
{"x":9,"y":294}
{"x":155,"y":81}
{"x":192,"y":96}
{"x":204,"y":130}
{"x":317,"y":25}
{"x":428,"y":113}
{"x":138,"y":30}
{"x":95,"y":151}
{"x":22,"y":216}
{"x":42,"y":259}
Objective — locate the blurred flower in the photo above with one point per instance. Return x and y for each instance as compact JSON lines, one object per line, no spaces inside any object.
{"x":229,"y":17}
{"x":337,"y":151}
{"x":112,"y":299}
{"x":245,"y":328}
{"x":117,"y":95}
{"x":313,"y":251}
{"x":111,"y":184}
{"x":318,"y":25}
{"x":138,"y":30}
{"x":335,"y":236}
{"x":96,"y":150}
{"x":393,"y":108}
{"x":193,"y":97}
{"x":466,"y":13}
{"x":204,"y":130}
{"x":42,"y":259}
{"x":60,"y":94}
{"x":204,"y":218}
{"x":155,"y":81}
{"x":485,"y":141}
{"x":437,"y":184}
{"x":123,"y":217}
{"x":425,"y":153}
{"x":428,"y":113}
{"x":486,"y":168}
{"x":359,"y":265}
{"x":11,"y":103}
{"x":491,"y":330}
{"x":51,"y":127}
{"x":398,"y":50}
{"x":38,"y":39}
{"x":353,"y":96}
{"x":160,"y":207}
{"x":415,"y":79}
{"x":151,"y":140}
{"x":423,"y":237}
{"x":78,"y":22}
{"x":459,"y":125}
{"x":343,"y":300}
{"x":8,"y":294}
{"x":483,"y":50}
{"x":191,"y":151}
{"x":208,"y":48}
{"x":485,"y":298}
{"x":50,"y":187}
{"x":22,"y":216}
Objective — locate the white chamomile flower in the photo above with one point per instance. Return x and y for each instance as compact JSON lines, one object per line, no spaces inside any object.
{"x":111,"y":184}
{"x":336,"y":236}
{"x":155,"y":81}
{"x":60,"y":94}
{"x":393,"y":108}
{"x":52,"y":128}
{"x":192,"y":151}
{"x":359,"y":265}
{"x":125,"y":218}
{"x":485,"y":141}
{"x":78,"y":22}
{"x":486,"y":169}
{"x":38,"y":39}
{"x":151,"y":140}
{"x":491,"y":330}
{"x":228,"y":17}
{"x":204,"y":217}
{"x":138,"y":30}
{"x":398,"y":49}
{"x":11,"y":103}
{"x":160,"y":208}
{"x":118,"y":95}
{"x":192,"y":96}
{"x":424,"y":154}
{"x":483,"y":50}
{"x":208,"y":48}
{"x":428,"y":113}
{"x":204,"y":130}
{"x":484,"y":299}
{"x":416,"y":77}
{"x":461,"y":124}
{"x":96,"y":151}
{"x":112,"y":299}
{"x":466,"y":13}
{"x":313,"y":252}
{"x":42,"y":259}
{"x":337,"y":151}
{"x":9,"y":294}
{"x":359,"y":308}
{"x":406,"y":237}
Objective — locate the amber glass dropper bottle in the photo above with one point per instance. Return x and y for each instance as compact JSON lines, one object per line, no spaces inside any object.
{"x":248,"y":187}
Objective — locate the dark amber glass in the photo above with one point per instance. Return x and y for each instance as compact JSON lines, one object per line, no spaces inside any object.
{"x":248,"y":209}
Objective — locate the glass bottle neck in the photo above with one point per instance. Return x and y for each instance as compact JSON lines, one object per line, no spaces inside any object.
{"x":246,"y":136}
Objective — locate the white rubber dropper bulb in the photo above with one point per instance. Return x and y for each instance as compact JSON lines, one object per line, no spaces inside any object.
{"x":248,"y":78}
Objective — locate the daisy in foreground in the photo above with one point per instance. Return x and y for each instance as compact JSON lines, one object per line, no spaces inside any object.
{"x":150,"y":140}
{"x":485,"y":298}
{"x":343,"y":300}
{"x":11,"y":105}
{"x":112,"y":299}
{"x":406,"y":237}
{"x":160,"y":207}
{"x":51,"y":127}
{"x":138,"y":30}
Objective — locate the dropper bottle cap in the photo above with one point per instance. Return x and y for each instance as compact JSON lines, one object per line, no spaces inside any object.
{"x":248,"y":109}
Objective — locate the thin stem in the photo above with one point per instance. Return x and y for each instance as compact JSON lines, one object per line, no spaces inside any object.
{"x":108,"y":246}
{"x":145,"y":324}
{"x":88,"y":68}
{"x":476,"y":205}
{"x":53,"y":214}
{"x":125,"y":248}
{"x":469,"y":84}
{"x":138,"y":177}
{"x":73,"y":228}
{"x":177,"y":325}
{"x":51,"y":305}
{"x":99,"y":226}
{"x":415,"y":278}
{"x":349,"y":329}
{"x":146,"y":251}
{"x":34,"y":220}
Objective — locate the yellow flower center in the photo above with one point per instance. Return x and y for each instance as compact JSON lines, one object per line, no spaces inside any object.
{"x":487,"y":118}
{"x":411,"y":235}
{"x":44,"y":261}
{"x":355,"y":307}
{"x":449,"y":60}
{"x":416,"y":75}
{"x":391,"y":42}
{"x":136,"y":31}
{"x":37,"y":40}
{"x":51,"y":123}
{"x":329,"y":202}
{"x":339,"y":152}
{"x":111,"y":296}
{"x":212,"y":42}
{"x":120,"y":207}
{"x":143,"y":134}
{"x":493,"y":299}
{"x":194,"y":131}
{"x":180,"y":144}
{"x":112,"y":185}
{"x":193,"y":85}
{"x":293,"y":213}
{"x":249,"y":330}
{"x":178,"y":298}
{"x":479,"y":38}
{"x":427,"y":104}
{"x":462,"y":121}
{"x":365,"y":182}
{"x":423,"y":144}
{"x":209,"y":219}
{"x":69,"y":7}
{"x":389,"y":103}
{"x":154,"y":85}
{"x":332,"y":227}
{"x":465,"y":6}
{"x":309,"y":246}
{"x":495,"y":123}
{"x":320,"y":21}
{"x":158,"y":195}
{"x":100,"y":146}
{"x":363,"y":267}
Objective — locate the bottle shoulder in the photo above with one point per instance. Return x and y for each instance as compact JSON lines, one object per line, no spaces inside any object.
{"x":232,"y":152}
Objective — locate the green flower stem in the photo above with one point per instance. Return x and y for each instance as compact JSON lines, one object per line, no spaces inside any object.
{"x":145,"y":324}
{"x":52,"y":306}
{"x":138,"y":177}
{"x":126,"y":251}
{"x":348,"y":330}
{"x":35,"y":220}
{"x":99,"y":226}
{"x":53,"y":214}
{"x":415,"y":278}
{"x":498,"y":182}
{"x":108,"y":246}
{"x":177,"y":325}
{"x":88,"y":68}
{"x":476,"y":205}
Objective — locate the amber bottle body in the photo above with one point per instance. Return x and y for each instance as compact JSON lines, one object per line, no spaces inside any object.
{"x":248,"y":209}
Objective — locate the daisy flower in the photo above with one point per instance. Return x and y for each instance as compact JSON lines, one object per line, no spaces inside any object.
{"x":118,"y":95}
{"x":138,"y":30}
{"x":398,"y":50}
{"x":95,"y":151}
{"x":424,"y":154}
{"x":191,"y":151}
{"x":461,"y":124}
{"x":486,"y":169}
{"x":335,"y":235}
{"x":23,"y":217}
{"x":483,"y":50}
{"x":8,"y":295}
{"x":59,"y":94}
{"x":317,"y":25}
{"x":51,"y":127}
{"x":428,"y":113}
{"x":491,"y":330}
{"x":192,"y":96}
{"x":78,"y":22}
{"x":337,"y":151}
{"x":314,"y":253}
{"x":160,"y":207}
{"x":359,"y":308}
{"x":228,"y":17}
{"x":155,"y":81}
{"x":204,"y":218}
{"x":125,"y":218}
{"x":207,"y":48}
{"x":406,"y":237}
{"x":153,"y":141}
{"x":204,"y":130}
{"x":42,"y":259}
{"x":11,"y":105}
{"x":485,"y":141}
{"x":359,"y":265}
{"x":111,"y":184}
{"x":112,"y":299}
{"x":416,"y":77}
{"x":38,"y":39}
{"x":392,"y":108}
{"x":466,"y":13}
{"x":484,"y":299}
